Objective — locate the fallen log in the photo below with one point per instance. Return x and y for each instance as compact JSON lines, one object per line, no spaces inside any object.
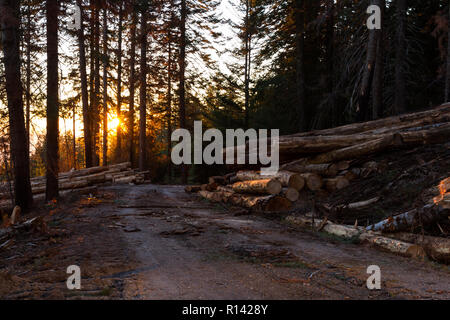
{"x":357,"y":233}
{"x":423,"y":116}
{"x":337,"y":183}
{"x":358,"y":150}
{"x":346,"y":232}
{"x":313,"y":181}
{"x":291,"y":194}
{"x":63,"y":186}
{"x":320,"y":144}
{"x":272,"y":203}
{"x":266,"y":186}
{"x":424,"y":216}
{"x":192,"y":189}
{"x":326,"y":169}
{"x":287,"y":179}
{"x":220,"y":180}
{"x":350,"y":175}
{"x":15,"y":215}
{"x":440,"y":134}
{"x":360,"y":205}
{"x":209,"y":186}
{"x":125,"y":180}
{"x":394,"y":246}
{"x":436,"y":248}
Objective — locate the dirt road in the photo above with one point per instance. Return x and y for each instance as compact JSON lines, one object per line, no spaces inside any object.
{"x":157,"y":242}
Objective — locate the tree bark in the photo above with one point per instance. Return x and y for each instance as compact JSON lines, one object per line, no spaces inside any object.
{"x":330,"y":62}
{"x":96,"y":107}
{"x":28,"y":76}
{"x":132,"y":85}
{"x":143,"y":94}
{"x":287,"y":179}
{"x":182,"y":87}
{"x":84,"y":94}
{"x":337,"y":183}
{"x":326,"y":169}
{"x":358,"y":150}
{"x":447,"y":79}
{"x":424,"y":216}
{"x":119,"y":84}
{"x":400,"y":59}
{"x":266,"y":186}
{"x":313,"y":181}
{"x":299,"y":15}
{"x":52,"y":192}
{"x":105,"y":87}
{"x":10,"y":38}
{"x":169,"y":103}
{"x":435,"y":115}
{"x":378,"y":81}
{"x":368,"y":74}
{"x":291,"y":194}
{"x":247,"y":63}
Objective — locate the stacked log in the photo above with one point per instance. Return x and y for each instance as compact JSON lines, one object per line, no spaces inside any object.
{"x":252,"y":191}
{"x":82,"y":180}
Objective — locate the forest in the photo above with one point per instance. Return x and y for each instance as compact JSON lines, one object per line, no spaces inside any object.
{"x":92,"y":91}
{"x":114,"y":89}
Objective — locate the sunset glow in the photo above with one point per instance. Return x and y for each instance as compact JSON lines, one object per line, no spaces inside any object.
{"x":113,"y":123}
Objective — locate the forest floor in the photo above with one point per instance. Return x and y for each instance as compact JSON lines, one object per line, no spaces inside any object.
{"x":157,"y":242}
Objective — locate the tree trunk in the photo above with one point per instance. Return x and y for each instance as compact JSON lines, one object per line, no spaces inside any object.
{"x":291,"y":194}
{"x":313,"y":181}
{"x":435,"y":115}
{"x":10,"y":37}
{"x":169,"y":105}
{"x":299,"y":58}
{"x":326,"y":169}
{"x":247,"y":64}
{"x":84,"y":94}
{"x":414,"y":218}
{"x":287,"y":179}
{"x":182,"y":88}
{"x":337,"y":183}
{"x":400,"y":59}
{"x":96,"y":108}
{"x":74,"y":136}
{"x":368,"y":75}
{"x":28,"y":76}
{"x":447,"y":79}
{"x":378,"y":81}
{"x":266,"y":186}
{"x":119,"y":84}
{"x":52,"y":191}
{"x":143,"y":94}
{"x":132,"y":84}
{"x":330,"y":62}
{"x":105,"y":87}
{"x":359,"y":150}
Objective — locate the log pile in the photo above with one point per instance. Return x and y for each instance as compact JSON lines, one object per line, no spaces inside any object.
{"x":329,"y":160}
{"x":320,"y":163}
{"x":81,"y":181}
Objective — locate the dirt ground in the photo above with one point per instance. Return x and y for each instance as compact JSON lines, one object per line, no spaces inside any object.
{"x":157,"y":242}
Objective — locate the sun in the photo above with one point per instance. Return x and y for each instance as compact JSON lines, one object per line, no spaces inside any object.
{"x":114,"y":123}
